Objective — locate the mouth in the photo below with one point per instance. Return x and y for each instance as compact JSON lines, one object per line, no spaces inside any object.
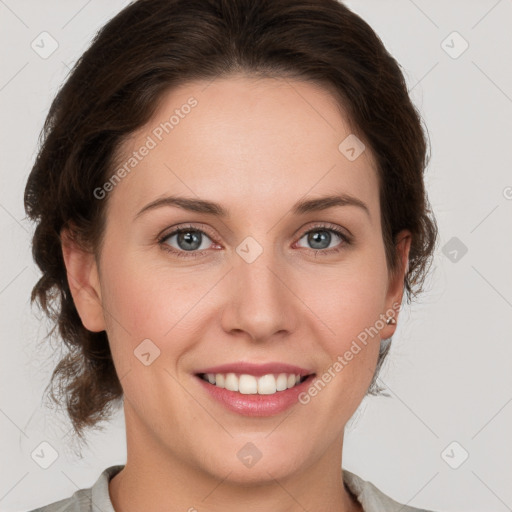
{"x":248,"y":384}
{"x":254,"y":389}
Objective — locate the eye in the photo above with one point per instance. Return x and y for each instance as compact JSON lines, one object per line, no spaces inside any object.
{"x":320,"y":238}
{"x":190,"y":242}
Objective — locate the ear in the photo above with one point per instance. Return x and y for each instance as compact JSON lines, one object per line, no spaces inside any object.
{"x":396,"y":282}
{"x":84,"y":283}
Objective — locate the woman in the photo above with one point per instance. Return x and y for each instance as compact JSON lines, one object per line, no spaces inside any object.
{"x":230,"y":207}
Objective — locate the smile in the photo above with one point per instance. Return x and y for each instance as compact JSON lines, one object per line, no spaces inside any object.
{"x":247,"y":384}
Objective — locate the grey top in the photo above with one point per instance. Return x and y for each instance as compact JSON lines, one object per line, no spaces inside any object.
{"x":97,"y":498}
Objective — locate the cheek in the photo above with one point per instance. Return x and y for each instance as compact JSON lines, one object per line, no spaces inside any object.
{"x":348,"y":299}
{"x":147,"y":300}
{"x":349,"y":304}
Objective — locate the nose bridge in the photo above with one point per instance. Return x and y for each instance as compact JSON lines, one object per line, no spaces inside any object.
{"x":260,"y":301}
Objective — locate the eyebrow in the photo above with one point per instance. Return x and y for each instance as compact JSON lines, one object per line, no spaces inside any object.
{"x":302,"y":207}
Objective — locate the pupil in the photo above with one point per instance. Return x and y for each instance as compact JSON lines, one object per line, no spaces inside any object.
{"x":189,"y":237}
{"x":318,"y":237}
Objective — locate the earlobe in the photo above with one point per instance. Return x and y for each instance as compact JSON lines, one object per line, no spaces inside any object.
{"x":84,"y":284}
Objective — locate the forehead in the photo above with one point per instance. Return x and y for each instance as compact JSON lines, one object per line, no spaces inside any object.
{"x":248,"y":141}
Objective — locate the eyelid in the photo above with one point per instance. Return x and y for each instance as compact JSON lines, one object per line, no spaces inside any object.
{"x":203,"y":227}
{"x":167,"y":232}
{"x":343,"y":233}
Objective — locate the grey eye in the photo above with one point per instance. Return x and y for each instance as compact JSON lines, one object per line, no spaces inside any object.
{"x":188,"y":239}
{"x":320,"y":238}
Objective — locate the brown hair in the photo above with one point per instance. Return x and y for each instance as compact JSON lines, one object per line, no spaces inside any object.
{"x":115,"y":87}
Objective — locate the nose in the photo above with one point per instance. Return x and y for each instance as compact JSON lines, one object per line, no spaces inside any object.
{"x":260,"y":302}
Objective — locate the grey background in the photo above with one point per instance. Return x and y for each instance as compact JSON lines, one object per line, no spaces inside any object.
{"x":449,"y":373}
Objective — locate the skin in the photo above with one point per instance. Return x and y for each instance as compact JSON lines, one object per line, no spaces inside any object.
{"x":256,"y":147}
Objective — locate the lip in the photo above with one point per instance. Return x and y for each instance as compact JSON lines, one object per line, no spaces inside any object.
{"x":255,"y":404}
{"x":257,"y":370}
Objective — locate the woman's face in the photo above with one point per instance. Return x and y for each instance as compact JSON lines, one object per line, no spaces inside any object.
{"x":268,"y":282}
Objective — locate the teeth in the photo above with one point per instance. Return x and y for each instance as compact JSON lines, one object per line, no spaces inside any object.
{"x":282,"y":382}
{"x":231,"y":382}
{"x":219,"y":380}
{"x":247,"y":385}
{"x":251,"y":385}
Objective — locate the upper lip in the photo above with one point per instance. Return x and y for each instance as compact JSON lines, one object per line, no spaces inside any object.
{"x":256,"y":369}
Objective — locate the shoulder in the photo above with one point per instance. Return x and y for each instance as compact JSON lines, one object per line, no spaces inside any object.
{"x":373,"y":499}
{"x":79,"y":502}
{"x":92,"y":499}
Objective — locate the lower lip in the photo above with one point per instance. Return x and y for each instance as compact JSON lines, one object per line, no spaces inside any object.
{"x":256,"y":405}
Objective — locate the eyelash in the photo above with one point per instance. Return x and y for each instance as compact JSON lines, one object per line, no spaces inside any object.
{"x":346,"y":240}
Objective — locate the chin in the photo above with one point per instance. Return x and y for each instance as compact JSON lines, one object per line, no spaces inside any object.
{"x":251,"y":465}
